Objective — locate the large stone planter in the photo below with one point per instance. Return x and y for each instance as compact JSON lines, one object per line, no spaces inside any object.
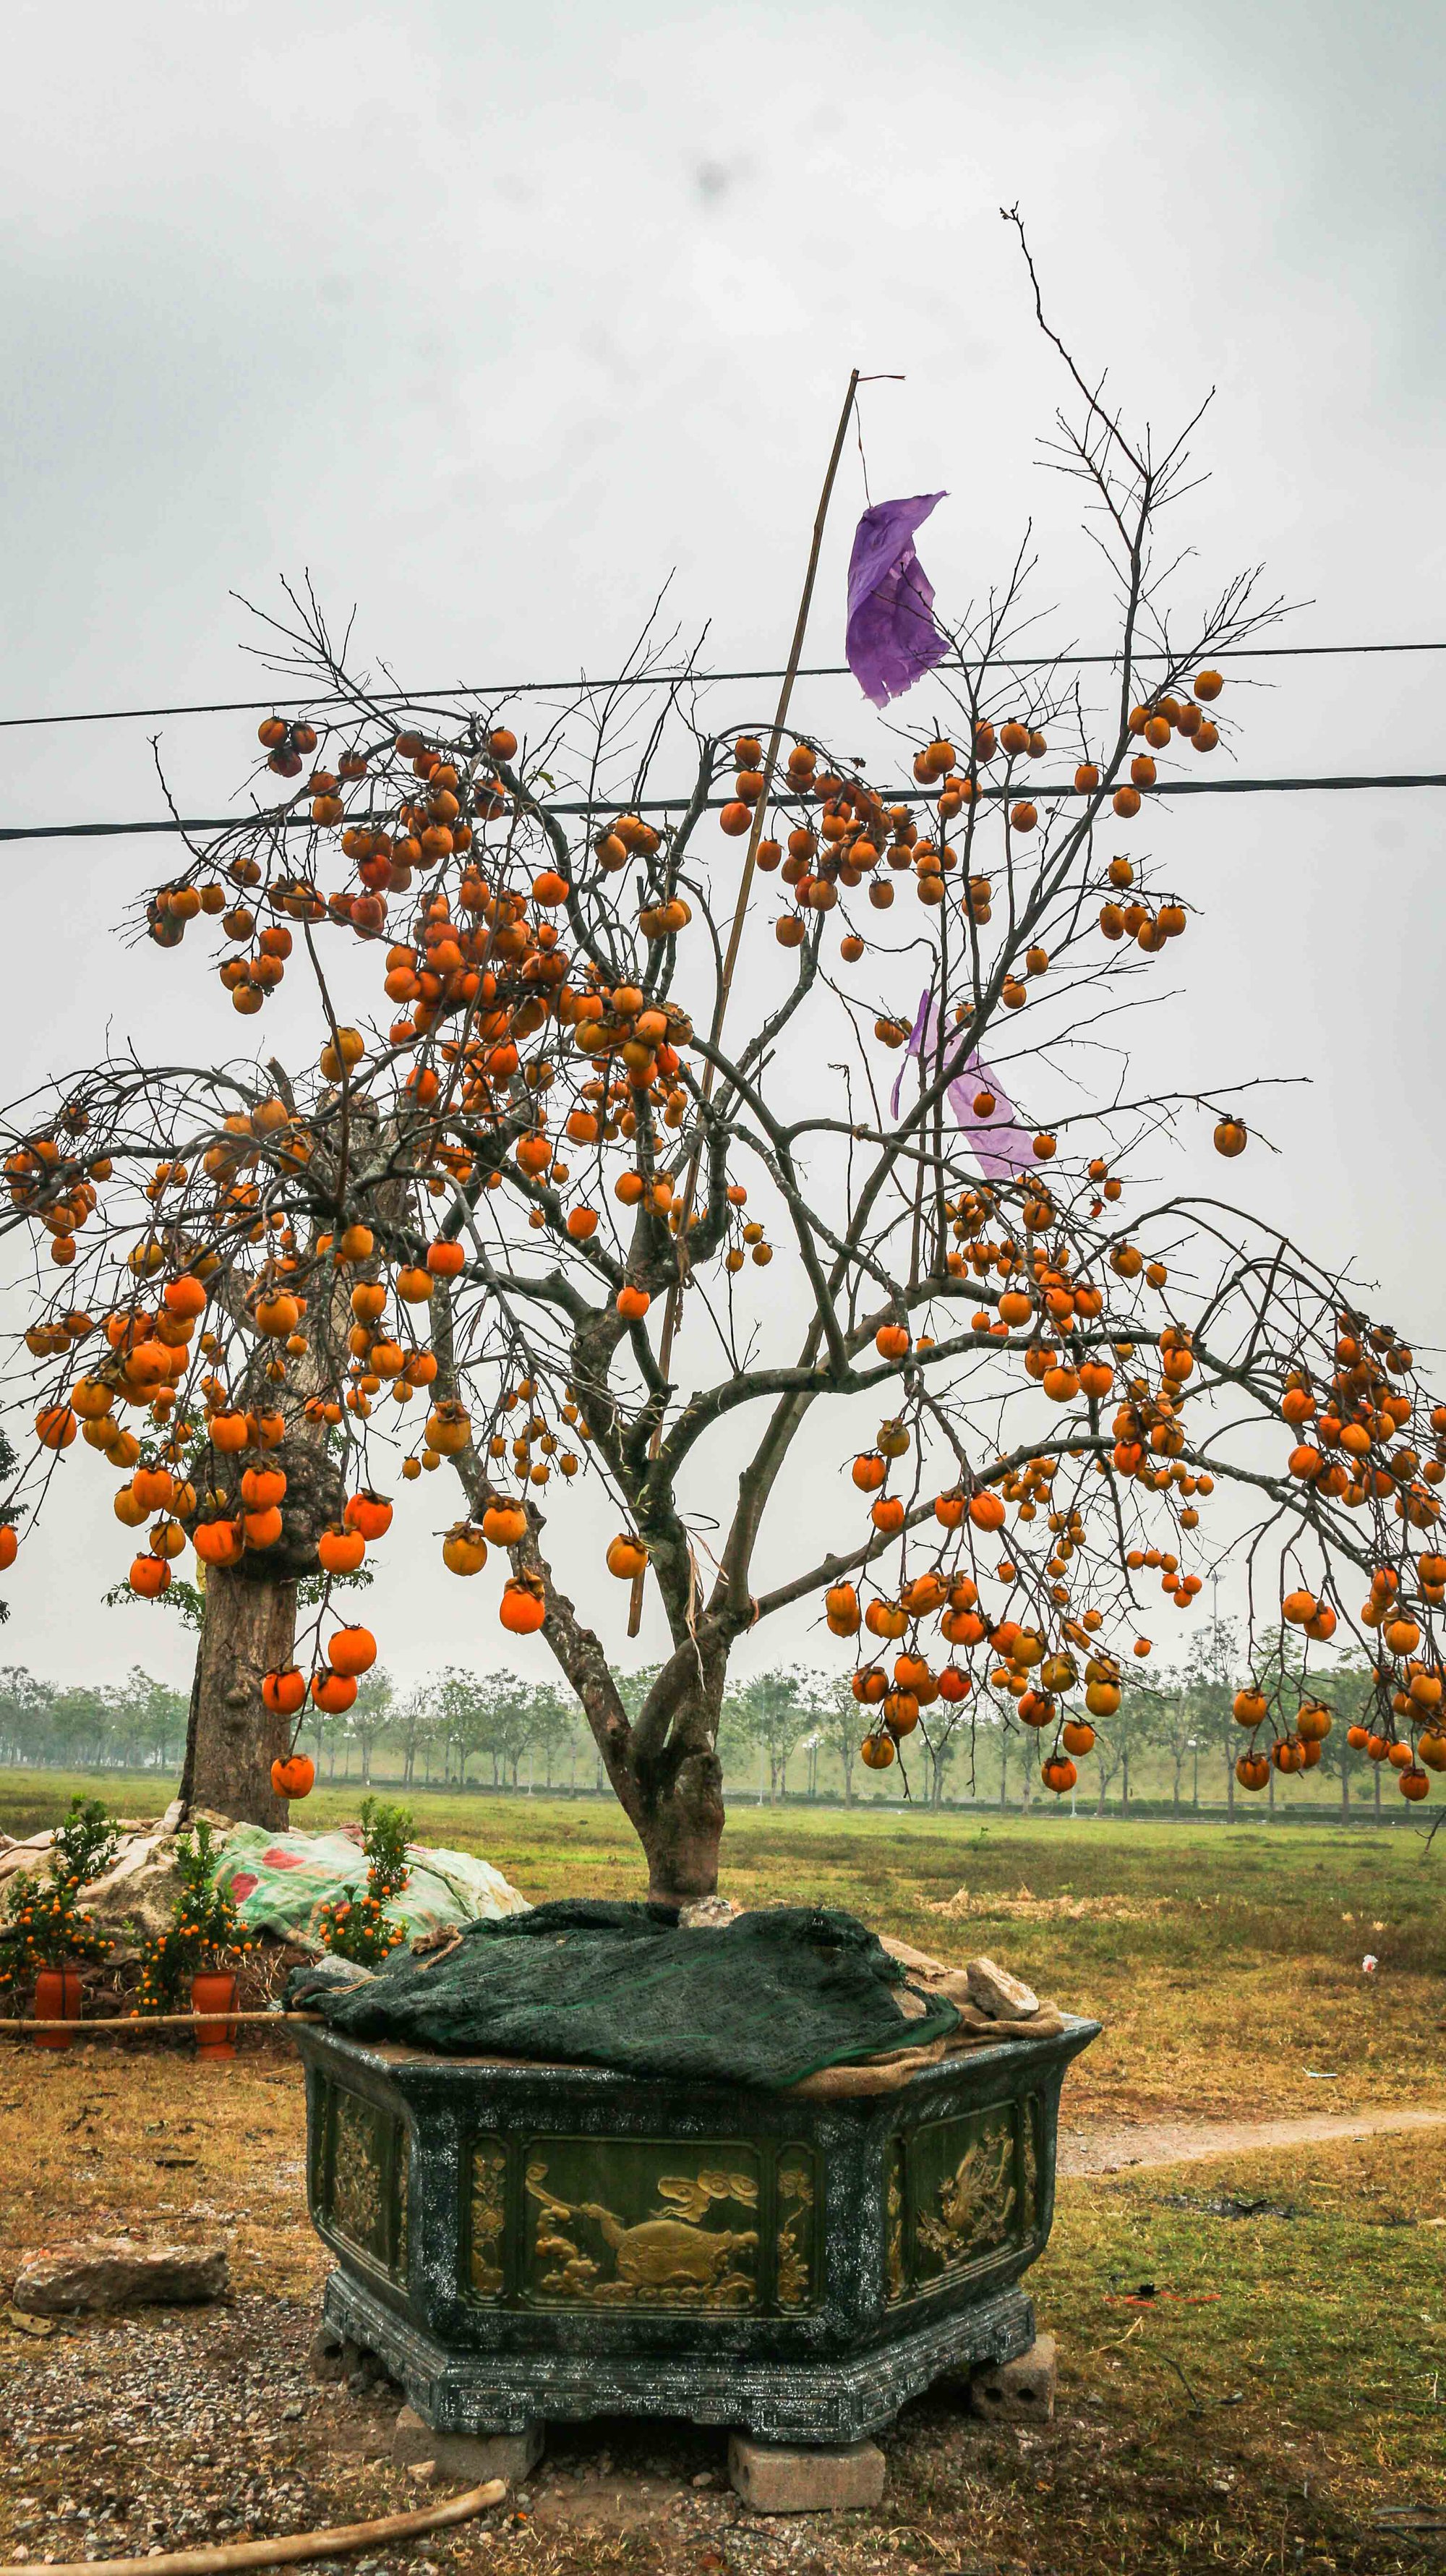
{"x":519,"y":2242}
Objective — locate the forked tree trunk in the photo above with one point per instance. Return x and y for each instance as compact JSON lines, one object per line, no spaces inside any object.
{"x":247,"y":1630}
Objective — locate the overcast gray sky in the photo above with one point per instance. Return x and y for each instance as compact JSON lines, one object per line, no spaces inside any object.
{"x":496,"y":320}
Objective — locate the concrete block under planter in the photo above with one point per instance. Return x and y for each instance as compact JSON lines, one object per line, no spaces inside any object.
{"x":774,"y":2479}
{"x":522,"y":2243}
{"x":473,"y":2456}
{"x":1013,"y":2391}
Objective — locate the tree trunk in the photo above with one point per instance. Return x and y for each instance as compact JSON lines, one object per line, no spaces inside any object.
{"x":1229,"y":1788}
{"x":247,"y":1630}
{"x":1345,"y":1792}
{"x":1124,"y":1784}
{"x":679,"y":1823}
{"x":847,"y":1763}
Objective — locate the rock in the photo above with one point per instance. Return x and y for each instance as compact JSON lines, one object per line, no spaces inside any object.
{"x":773,"y":2478}
{"x":111,"y":2272}
{"x":32,"y":1854}
{"x":29,"y":2325}
{"x":710,"y":1914}
{"x":473,"y":2456}
{"x":1014,"y":2392}
{"x":424,"y":2471}
{"x":139,"y":1890}
{"x":325,"y":2356}
{"x":992,"y":1990}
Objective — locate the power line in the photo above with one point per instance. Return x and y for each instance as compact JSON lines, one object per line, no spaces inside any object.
{"x":499,"y":689}
{"x":676,"y":804}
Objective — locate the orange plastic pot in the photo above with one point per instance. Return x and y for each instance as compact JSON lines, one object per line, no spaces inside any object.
{"x":214,"y":1993}
{"x":57,"y":1998}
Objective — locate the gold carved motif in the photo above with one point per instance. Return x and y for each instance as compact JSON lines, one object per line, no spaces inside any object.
{"x":894,"y":2222}
{"x":356,"y":2207}
{"x":666,"y":2260}
{"x":973,"y":2205}
{"x":1031,"y":2164}
{"x":404,"y":2171}
{"x":794,"y":2255}
{"x":489,"y":2218}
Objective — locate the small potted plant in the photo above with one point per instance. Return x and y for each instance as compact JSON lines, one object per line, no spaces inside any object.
{"x":46,"y":1934}
{"x":202,"y":1939}
{"x":354,"y":1926}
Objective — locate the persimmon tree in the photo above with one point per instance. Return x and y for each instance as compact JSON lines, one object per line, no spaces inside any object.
{"x":570,"y":1187}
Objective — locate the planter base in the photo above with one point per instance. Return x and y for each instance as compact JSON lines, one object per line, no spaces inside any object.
{"x":825,"y":2403}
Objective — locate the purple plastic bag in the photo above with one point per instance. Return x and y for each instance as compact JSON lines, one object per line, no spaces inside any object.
{"x":1000,"y":1148}
{"x":892,"y":638}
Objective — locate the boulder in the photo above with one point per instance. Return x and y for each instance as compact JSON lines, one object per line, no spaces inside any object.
{"x":140,"y":1888}
{"x":32,"y":1854}
{"x":112,"y":2272}
{"x":994,"y":1991}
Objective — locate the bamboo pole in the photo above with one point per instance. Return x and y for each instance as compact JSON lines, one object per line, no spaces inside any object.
{"x":673,"y":1308}
{"x":119,"y":2025}
{"x":292,"y":2548}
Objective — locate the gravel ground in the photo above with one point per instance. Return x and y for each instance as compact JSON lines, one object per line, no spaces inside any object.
{"x":174,"y":2428}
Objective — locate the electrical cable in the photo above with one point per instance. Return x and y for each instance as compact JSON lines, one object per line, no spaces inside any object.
{"x":675,"y":679}
{"x":675,"y":804}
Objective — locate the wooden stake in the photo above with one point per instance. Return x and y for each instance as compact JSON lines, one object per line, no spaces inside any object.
{"x":735,"y":937}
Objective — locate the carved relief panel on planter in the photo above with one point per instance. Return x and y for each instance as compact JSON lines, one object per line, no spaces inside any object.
{"x":359,"y":2178}
{"x":960,"y":2194}
{"x":643,"y":2224}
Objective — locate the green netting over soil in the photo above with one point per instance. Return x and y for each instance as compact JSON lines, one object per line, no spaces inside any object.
{"x":766,"y":1999}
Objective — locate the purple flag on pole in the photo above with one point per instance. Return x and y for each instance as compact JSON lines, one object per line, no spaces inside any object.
{"x":892,"y":638}
{"x":1000,"y":1147}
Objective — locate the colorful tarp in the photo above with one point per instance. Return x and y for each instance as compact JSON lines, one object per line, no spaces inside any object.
{"x":278,"y":1880}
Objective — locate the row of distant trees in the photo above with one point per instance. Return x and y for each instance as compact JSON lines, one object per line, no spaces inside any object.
{"x":789,"y":1732}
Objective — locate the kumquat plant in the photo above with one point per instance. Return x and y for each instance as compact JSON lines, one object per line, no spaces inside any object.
{"x":357,"y":1926}
{"x":586,"y":1060}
